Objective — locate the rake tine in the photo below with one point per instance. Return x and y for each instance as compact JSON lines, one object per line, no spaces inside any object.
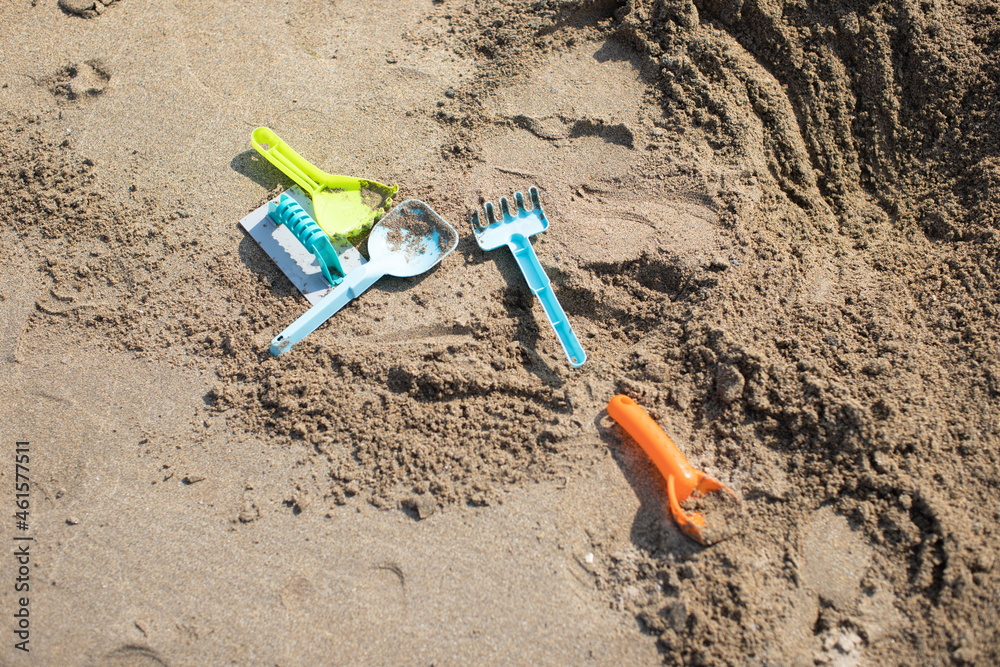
{"x":491,"y":214}
{"x":474,"y":218}
{"x":505,"y":208}
{"x":536,"y":203}
{"x":519,"y":198}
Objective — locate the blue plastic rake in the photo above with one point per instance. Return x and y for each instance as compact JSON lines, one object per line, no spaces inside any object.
{"x":513,"y":231}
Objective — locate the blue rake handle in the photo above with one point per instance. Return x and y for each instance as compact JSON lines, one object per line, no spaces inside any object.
{"x":540,"y":285}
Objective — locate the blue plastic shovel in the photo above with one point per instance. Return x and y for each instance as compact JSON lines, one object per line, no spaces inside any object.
{"x":513,"y":231}
{"x":408,"y":241}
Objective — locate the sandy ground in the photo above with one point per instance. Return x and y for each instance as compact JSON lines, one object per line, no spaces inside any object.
{"x":773,"y":224}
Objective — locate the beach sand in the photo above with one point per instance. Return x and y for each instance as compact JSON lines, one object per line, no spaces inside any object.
{"x":774,"y":225}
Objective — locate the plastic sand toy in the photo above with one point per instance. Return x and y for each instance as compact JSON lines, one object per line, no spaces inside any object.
{"x":343,"y":206}
{"x":716,"y":516}
{"x":286,"y":211}
{"x":513,"y":231}
{"x":283,"y":234}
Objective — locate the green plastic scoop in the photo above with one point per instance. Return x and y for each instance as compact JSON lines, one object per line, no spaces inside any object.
{"x":344,"y":206}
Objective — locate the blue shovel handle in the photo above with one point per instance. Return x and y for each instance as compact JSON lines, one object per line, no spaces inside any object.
{"x":539,"y":283}
{"x":356,"y":282}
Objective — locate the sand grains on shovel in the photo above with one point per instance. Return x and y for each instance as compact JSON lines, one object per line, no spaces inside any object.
{"x":411,"y":224}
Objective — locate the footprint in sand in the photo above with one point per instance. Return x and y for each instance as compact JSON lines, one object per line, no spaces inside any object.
{"x":88,"y":9}
{"x":74,"y":81}
{"x":133,"y":656}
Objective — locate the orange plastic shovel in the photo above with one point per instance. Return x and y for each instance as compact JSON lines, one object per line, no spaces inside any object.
{"x":683,"y":480}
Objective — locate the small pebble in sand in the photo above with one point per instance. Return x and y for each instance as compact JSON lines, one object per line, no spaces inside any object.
{"x":78,"y":7}
{"x":729,"y":383}
{"x":423,"y":505}
{"x":85,"y":8}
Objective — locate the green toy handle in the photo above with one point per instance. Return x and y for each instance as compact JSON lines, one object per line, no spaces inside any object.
{"x":308,"y":177}
{"x":293,"y":165}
